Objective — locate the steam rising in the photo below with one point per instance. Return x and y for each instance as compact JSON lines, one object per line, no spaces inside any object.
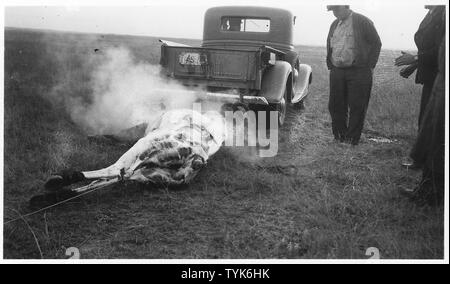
{"x":125,"y":93}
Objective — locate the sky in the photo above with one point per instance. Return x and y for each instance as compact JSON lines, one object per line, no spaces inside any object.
{"x":395,"y":20}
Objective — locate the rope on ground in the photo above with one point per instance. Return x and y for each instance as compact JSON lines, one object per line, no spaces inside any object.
{"x":54,"y":205}
{"x":21,"y":217}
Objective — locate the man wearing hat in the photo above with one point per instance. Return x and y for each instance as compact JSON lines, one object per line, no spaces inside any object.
{"x":353,"y":48}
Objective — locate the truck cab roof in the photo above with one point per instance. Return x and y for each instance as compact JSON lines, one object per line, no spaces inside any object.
{"x":248,"y":27}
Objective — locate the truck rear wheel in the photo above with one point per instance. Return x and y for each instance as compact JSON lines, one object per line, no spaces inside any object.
{"x":282,"y":108}
{"x":300,"y":105}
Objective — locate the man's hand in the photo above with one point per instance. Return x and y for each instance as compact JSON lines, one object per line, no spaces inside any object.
{"x":407,"y":71}
{"x":405,"y":59}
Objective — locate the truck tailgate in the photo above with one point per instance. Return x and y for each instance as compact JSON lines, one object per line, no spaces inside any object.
{"x":213,"y":67}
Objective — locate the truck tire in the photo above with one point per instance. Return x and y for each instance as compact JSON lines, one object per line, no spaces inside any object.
{"x":300,"y":105}
{"x":281,"y":107}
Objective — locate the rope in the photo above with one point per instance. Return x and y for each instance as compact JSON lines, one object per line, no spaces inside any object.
{"x":31,"y":230}
{"x":58,"y":203}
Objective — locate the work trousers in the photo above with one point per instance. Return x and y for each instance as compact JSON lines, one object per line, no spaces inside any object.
{"x":349,"y":98}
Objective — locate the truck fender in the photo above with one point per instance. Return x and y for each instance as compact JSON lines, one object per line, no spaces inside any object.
{"x":303,"y":80}
{"x":274,"y":81}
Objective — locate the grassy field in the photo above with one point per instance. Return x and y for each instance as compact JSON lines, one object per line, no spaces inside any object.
{"x":315,"y":199}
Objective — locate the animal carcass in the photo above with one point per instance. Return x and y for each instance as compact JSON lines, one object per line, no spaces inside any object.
{"x":172,"y":152}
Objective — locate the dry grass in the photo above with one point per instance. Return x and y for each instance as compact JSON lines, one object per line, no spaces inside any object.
{"x":316,"y":199}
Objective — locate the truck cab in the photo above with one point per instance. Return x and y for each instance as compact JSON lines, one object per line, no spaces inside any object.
{"x":247,"y":57}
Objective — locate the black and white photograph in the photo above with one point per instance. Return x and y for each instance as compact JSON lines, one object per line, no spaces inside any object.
{"x":225,"y":132}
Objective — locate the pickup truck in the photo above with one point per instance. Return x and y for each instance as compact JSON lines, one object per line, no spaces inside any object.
{"x":247,"y":57}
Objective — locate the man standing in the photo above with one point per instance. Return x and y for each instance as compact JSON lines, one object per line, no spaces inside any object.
{"x":427,"y":38}
{"x":432,"y":139}
{"x":429,"y":147}
{"x":353,"y":48}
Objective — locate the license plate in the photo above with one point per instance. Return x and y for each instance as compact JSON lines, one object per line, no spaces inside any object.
{"x":190,"y":58}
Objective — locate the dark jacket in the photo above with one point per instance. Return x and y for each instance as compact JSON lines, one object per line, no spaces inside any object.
{"x":367,"y":42}
{"x":428,"y":38}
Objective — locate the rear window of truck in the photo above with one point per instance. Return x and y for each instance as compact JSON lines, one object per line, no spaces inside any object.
{"x":242,"y":24}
